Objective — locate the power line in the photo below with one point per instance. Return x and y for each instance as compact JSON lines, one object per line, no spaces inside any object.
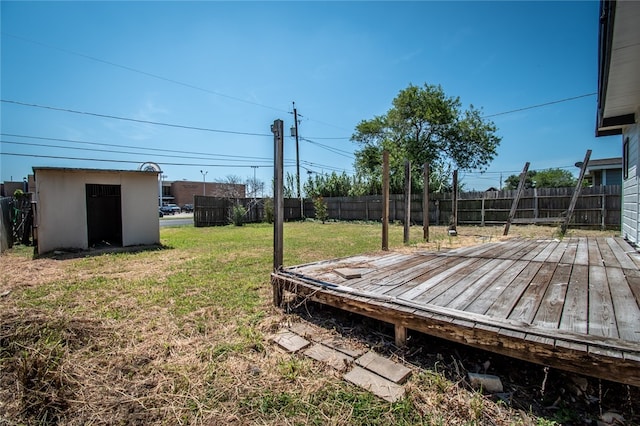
{"x":135,"y":147}
{"x":159,"y":77}
{"x":330,"y":149}
{"x":148,"y":74}
{"x":157,"y":123}
{"x":541,"y":105}
{"x":115,"y":152}
{"x":123,"y":161}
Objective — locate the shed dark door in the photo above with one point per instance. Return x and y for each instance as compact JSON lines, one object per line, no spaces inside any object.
{"x":104,"y":216}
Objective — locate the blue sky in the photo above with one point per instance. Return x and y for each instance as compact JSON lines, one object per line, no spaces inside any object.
{"x":232,"y":68}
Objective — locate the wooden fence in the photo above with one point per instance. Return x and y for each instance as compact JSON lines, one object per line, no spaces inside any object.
{"x":6,"y":225}
{"x":597,"y":207}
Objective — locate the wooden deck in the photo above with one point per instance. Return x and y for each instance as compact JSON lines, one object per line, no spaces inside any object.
{"x":572,"y":304}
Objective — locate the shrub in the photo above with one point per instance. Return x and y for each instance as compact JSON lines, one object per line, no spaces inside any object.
{"x":321,"y":209}
{"x":238,"y":213}
{"x":269,"y":215}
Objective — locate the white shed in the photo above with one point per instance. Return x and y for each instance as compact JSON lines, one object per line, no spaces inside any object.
{"x":83,"y":208}
{"x":619,"y":99}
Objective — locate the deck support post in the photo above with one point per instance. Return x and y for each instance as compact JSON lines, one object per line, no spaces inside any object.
{"x":401,"y":335}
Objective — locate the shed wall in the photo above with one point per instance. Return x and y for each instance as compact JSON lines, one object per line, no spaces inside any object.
{"x":62,"y":208}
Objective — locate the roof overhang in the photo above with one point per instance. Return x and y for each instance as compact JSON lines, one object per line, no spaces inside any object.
{"x":618,"y":66}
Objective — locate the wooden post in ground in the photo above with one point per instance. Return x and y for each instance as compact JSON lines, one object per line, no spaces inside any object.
{"x":407,"y":201}
{"x":453,"y":226}
{"x":576,"y":193}
{"x":278,"y":204}
{"x":516,"y":200}
{"x":385,"y":200}
{"x":425,"y":203}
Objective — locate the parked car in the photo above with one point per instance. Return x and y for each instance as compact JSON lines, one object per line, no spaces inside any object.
{"x":160,"y":214}
{"x":188,"y":208}
{"x":170,"y":209}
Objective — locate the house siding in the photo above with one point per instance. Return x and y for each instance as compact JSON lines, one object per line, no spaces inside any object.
{"x":631,"y":187}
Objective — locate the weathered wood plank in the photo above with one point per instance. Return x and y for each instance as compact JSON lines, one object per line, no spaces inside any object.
{"x":570,"y":252}
{"x":633,"y":279}
{"x":633,"y":253}
{"x":546,"y":252}
{"x":434,"y":279}
{"x":430,"y":271}
{"x":582,"y":254}
{"x":465,"y":296}
{"x":625,"y":307}
{"x":528,"y":304}
{"x":451,"y":285}
{"x":602,"y":321}
{"x":607,"y":254}
{"x":575,"y":311}
{"x":623,"y":259}
{"x":524,"y":249}
{"x":508,"y":299}
{"x":550,"y":310}
{"x":484,"y":301}
{"x":402,"y":273}
{"x":595,"y":258}
{"x":385,"y":270}
{"x":558,"y":251}
{"x":535,"y":251}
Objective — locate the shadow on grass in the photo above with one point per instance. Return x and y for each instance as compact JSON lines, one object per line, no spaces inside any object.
{"x":70,"y":253}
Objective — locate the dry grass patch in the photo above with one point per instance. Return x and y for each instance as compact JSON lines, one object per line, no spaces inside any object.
{"x":180,"y":336}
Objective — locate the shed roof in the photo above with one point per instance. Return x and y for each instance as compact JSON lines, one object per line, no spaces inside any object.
{"x":86,"y":170}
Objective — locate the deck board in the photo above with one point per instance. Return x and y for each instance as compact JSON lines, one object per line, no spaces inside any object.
{"x":572,"y":304}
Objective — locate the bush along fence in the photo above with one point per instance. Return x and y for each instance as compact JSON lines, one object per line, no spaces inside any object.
{"x":596,"y":207}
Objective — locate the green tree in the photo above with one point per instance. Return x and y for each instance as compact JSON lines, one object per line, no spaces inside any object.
{"x":554,"y":178}
{"x":547,"y":178}
{"x":424,"y":125}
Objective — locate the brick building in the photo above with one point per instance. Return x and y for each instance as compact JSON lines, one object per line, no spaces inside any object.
{"x":181,"y":192}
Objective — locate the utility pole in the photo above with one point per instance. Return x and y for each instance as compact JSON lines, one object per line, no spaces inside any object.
{"x":295,"y":121}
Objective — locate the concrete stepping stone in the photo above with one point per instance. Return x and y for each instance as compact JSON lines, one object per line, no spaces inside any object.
{"x":343,"y":346}
{"x":304,"y":329}
{"x":335,"y":359}
{"x":375,"y":384}
{"x":289,"y":341}
{"x":384,"y":367}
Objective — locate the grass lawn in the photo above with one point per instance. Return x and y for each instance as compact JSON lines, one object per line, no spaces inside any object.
{"x":179,"y":335}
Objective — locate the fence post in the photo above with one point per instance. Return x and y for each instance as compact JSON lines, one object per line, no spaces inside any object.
{"x":482,"y":210}
{"x":407,"y":201}
{"x":603,"y":208}
{"x":454,"y":201}
{"x":425,"y":203}
{"x":385,"y":200}
{"x":536,"y":212}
